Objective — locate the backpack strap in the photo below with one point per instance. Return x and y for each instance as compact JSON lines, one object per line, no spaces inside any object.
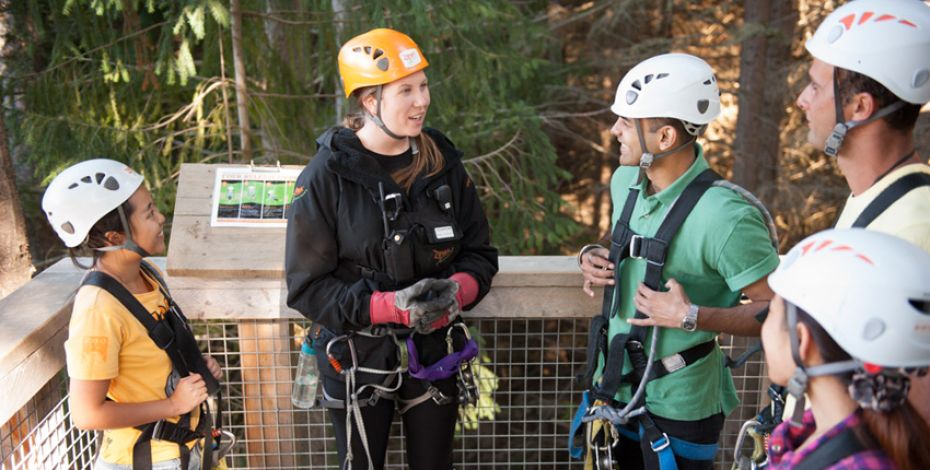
{"x":889,"y":196}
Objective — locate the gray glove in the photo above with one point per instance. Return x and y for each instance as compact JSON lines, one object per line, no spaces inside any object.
{"x":439,"y":304}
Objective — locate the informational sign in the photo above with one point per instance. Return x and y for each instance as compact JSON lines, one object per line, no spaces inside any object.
{"x":252,"y":196}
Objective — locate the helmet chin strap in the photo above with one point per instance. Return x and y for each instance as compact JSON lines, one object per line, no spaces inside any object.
{"x":376,"y":118}
{"x":797,"y":384}
{"x":835,"y":141}
{"x":128,"y":244}
{"x":645,"y":162}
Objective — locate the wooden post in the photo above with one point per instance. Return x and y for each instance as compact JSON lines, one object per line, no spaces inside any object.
{"x":264,"y":347}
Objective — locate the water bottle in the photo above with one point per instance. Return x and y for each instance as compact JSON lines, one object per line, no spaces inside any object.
{"x":303,"y":394}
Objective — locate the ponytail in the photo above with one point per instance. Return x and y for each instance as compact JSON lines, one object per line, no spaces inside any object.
{"x":427,"y":160}
{"x":899,"y":433}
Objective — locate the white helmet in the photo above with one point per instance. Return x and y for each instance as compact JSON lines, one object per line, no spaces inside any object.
{"x":870,"y":291}
{"x":679,"y":86}
{"x":886,"y":40}
{"x":85,"y":192}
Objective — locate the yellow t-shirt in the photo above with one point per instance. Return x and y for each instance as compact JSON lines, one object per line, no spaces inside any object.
{"x":907,"y":218}
{"x":106,"y":342}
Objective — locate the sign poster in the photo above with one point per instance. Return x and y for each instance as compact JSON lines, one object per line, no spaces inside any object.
{"x":252,"y":196}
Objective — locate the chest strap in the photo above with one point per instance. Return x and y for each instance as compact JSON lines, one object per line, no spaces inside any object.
{"x":889,"y":196}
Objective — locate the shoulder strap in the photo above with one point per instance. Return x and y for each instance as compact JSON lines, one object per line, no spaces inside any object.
{"x":889,"y":196}
{"x":107,"y":283}
{"x":843,"y":445}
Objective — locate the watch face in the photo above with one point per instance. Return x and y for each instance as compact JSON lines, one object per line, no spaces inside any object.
{"x":689,"y":324}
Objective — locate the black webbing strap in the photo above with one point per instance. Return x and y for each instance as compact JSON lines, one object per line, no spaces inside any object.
{"x":841,"y":446}
{"x":660,"y":368}
{"x":159,"y":331}
{"x":889,"y":196}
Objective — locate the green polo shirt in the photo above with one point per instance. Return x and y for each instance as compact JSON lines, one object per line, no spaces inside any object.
{"x":722,"y":247}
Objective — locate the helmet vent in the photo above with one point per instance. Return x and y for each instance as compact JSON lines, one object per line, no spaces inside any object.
{"x":702,"y":106}
{"x":368,"y":50}
{"x":648,"y":78}
{"x":383,"y":64}
{"x":86,"y":179}
{"x":378,"y":53}
{"x":835,"y":34}
{"x":68,"y":228}
{"x":637,"y":85}
{"x":873,"y":329}
{"x":111,"y":184}
{"x":631,"y":97}
{"x":99,"y":177}
{"x":357,"y":49}
{"x":920,"y":78}
{"x":921,"y":305}
{"x":661,"y":75}
{"x":73,"y":185}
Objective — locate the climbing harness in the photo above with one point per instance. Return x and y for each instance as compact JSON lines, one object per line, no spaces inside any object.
{"x":172,"y":335}
{"x":605,"y":410}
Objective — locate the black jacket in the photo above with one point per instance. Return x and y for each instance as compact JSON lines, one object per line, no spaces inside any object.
{"x":335,"y":226}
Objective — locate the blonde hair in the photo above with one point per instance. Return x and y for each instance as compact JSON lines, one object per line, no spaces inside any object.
{"x":428,"y":159}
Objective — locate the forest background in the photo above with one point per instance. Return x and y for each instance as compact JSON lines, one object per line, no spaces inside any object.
{"x":522,"y":87}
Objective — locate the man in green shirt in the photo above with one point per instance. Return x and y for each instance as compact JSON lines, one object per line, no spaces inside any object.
{"x":721,"y":250}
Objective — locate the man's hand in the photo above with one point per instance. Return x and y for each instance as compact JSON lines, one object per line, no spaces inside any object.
{"x":596,"y":269}
{"x":666,"y":309}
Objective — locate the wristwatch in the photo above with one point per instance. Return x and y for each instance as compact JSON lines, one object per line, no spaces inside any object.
{"x":689,"y":322}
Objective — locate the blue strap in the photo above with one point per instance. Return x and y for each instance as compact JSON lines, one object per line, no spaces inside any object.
{"x":663,"y":449}
{"x":577,"y":452}
{"x":666,"y":448}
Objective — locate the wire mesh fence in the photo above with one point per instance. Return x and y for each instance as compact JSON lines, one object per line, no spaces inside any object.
{"x":524,"y":422}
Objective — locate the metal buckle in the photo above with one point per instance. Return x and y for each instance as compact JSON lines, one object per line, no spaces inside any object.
{"x":156,"y":430}
{"x":665,"y":442}
{"x":673,"y":363}
{"x":636,"y":244}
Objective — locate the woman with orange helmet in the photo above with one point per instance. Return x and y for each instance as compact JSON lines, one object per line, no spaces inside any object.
{"x":386,"y":243}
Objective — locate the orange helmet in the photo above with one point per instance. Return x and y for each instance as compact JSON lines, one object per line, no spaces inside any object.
{"x":377,"y":57}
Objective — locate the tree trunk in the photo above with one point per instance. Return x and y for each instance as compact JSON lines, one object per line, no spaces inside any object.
{"x":339,"y":16}
{"x":242,"y":95}
{"x":764,"y":56}
{"x":15,"y":260}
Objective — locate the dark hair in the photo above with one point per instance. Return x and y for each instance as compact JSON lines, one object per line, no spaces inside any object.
{"x":680,"y":132}
{"x":429,"y":157}
{"x":891,"y":430}
{"x":852,"y":83}
{"x":97,"y":236}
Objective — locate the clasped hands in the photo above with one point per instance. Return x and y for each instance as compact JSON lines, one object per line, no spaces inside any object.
{"x":430,"y":304}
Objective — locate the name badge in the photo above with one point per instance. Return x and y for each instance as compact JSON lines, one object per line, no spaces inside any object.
{"x":444,"y":232}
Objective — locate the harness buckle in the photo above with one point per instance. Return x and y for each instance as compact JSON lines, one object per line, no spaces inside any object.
{"x":673,"y":362}
{"x":661,"y":443}
{"x":636,"y":244}
{"x":156,"y":429}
